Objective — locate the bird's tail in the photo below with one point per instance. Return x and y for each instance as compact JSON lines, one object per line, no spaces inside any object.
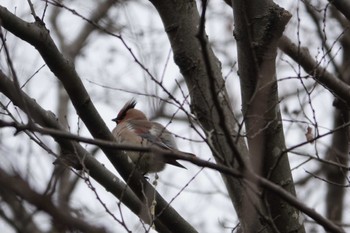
{"x":173,"y":161}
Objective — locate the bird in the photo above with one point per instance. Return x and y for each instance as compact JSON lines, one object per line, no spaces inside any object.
{"x":133,"y":128}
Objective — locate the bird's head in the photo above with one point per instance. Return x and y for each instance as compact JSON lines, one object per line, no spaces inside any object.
{"x":128,"y":112}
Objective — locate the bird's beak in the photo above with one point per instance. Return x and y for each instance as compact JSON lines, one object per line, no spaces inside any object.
{"x":116,"y":120}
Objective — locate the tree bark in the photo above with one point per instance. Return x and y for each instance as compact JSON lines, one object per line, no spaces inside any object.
{"x":209,"y":103}
{"x":258,"y":27}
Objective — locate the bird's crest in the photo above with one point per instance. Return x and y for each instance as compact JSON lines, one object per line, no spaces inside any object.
{"x":122,"y":113}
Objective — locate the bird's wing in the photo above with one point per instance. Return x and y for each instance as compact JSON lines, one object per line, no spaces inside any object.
{"x":157,"y":135}
{"x":154,"y":133}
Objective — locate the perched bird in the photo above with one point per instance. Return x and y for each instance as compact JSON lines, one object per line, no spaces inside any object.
{"x":133,"y":128}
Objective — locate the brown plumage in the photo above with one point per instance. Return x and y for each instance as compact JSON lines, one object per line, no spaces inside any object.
{"x":133,"y":128}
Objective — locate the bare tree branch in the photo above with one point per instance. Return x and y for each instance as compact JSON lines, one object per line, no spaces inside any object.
{"x":72,"y":50}
{"x":37,"y":35}
{"x":257,"y":49}
{"x":74,"y":154}
{"x":247,"y":175}
{"x":65,"y":220}
{"x":249,"y":150}
{"x":343,"y":6}
{"x":321,"y":75}
{"x":20,"y":218}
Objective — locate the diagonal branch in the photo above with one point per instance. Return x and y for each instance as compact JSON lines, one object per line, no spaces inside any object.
{"x":21,"y":218}
{"x":74,"y":151}
{"x":329,"y":81}
{"x":38,"y":36}
{"x":343,"y":6}
{"x":21,"y":188}
{"x":108,"y":180}
{"x":75,"y":47}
